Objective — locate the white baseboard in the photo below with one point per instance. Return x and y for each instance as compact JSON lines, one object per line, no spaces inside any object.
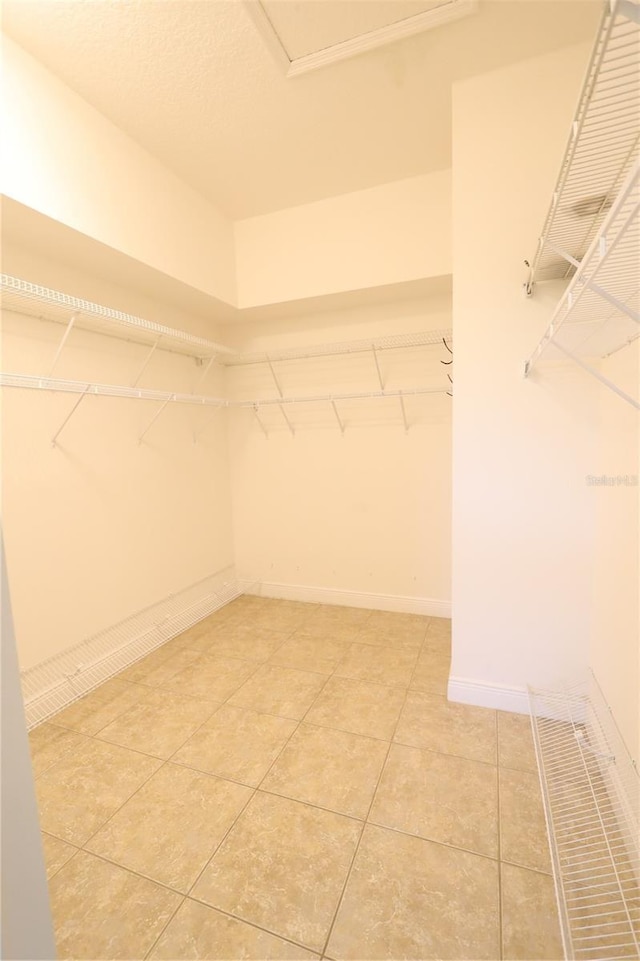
{"x":465,"y":690}
{"x":377,"y":602}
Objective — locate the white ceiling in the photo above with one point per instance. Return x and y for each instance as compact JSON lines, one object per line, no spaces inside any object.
{"x":194,"y":83}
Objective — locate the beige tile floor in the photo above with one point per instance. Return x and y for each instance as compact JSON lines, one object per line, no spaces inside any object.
{"x":288,"y":780}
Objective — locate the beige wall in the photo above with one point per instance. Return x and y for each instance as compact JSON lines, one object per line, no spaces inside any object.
{"x":362,"y":518}
{"x":615,"y":632}
{"x":64,"y":159}
{"x":99,"y":526}
{"x":523,"y":516}
{"x":385,"y":235}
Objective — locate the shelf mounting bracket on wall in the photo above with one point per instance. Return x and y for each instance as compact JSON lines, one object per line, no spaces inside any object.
{"x":274,"y":375}
{"x":338,"y":418}
{"x":378,"y":371}
{"x":145,"y":363}
{"x":404,"y":415}
{"x":203,"y":375}
{"x":63,"y":341}
{"x":155,"y":417}
{"x":289,"y":424}
{"x":257,"y":417}
{"x":70,"y":415}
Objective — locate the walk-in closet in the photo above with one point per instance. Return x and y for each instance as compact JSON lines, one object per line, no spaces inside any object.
{"x":320,"y":391}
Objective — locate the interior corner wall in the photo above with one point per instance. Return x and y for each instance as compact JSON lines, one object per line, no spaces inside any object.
{"x":100,"y":526}
{"x":360,"y":518}
{"x":523,"y":524}
{"x":383,"y":235}
{"x":64,"y":159}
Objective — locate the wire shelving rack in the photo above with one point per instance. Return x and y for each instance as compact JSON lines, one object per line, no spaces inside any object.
{"x":591,"y":796}
{"x":592,"y":230}
{"x":53,"y":305}
{"x":601,"y":147}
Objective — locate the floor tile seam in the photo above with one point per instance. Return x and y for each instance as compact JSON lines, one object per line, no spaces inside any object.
{"x":87,"y":737}
{"x":311,"y":804}
{"x":224,"y":837}
{"x":254,"y":791}
{"x":364,"y":825}
{"x":254,"y":924}
{"x":169,"y":921}
{"x":75,"y":847}
{"x":445,"y":753}
{"x":444,"y":844}
{"x":221,"y":704}
{"x":431,"y":750}
{"x":344,"y":730}
{"x":129,"y":870}
{"x":104,"y":740}
{"x":527,"y":867}
{"x":94,"y":733}
{"x":120,"y":806}
{"x":295,"y":730}
{"x":323,"y":727}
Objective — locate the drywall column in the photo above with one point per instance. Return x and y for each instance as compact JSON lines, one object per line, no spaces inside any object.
{"x":522,"y":515}
{"x":27,"y":931}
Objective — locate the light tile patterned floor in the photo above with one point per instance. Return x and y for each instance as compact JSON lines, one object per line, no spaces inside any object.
{"x":286,"y":781}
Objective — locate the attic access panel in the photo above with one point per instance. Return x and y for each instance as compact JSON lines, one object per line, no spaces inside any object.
{"x":304,"y":35}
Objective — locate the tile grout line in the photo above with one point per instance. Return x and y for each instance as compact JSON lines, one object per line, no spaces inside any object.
{"x":254,"y":789}
{"x":366,"y":820}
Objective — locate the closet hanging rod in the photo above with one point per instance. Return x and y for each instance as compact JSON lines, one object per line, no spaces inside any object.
{"x":425,"y":338}
{"x":44,"y":303}
{"x":30,"y":382}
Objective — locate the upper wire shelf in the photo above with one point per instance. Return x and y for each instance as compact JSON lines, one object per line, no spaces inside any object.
{"x":427,"y":338}
{"x":591,"y":796}
{"x":36,"y":301}
{"x":601,"y":149}
{"x":599,"y":313}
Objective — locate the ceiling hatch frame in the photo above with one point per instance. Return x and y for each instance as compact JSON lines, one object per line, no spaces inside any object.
{"x":447,"y":12}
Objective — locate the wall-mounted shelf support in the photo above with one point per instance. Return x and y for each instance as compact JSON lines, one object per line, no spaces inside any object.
{"x":275,"y":377}
{"x":338,"y":418}
{"x":377,"y":363}
{"x":154,"y":418}
{"x":203,"y":376}
{"x":63,"y":341}
{"x":145,"y":362}
{"x":287,"y":421}
{"x":69,"y":415}
{"x":256,"y":414}
{"x":404,"y":415}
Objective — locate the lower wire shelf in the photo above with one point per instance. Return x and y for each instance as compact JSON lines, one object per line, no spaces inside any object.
{"x":591,"y":796}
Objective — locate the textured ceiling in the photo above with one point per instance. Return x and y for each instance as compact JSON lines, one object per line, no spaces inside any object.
{"x":193,"y":82}
{"x":305,"y":28}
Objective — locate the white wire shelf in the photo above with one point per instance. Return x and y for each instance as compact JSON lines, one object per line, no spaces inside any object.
{"x":599,"y":312}
{"x":426,"y":338}
{"x":53,"y":384}
{"x":591,"y":796}
{"x":328,"y":398}
{"x":36,"y":301}
{"x":62,"y":679}
{"x":602,"y":145}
